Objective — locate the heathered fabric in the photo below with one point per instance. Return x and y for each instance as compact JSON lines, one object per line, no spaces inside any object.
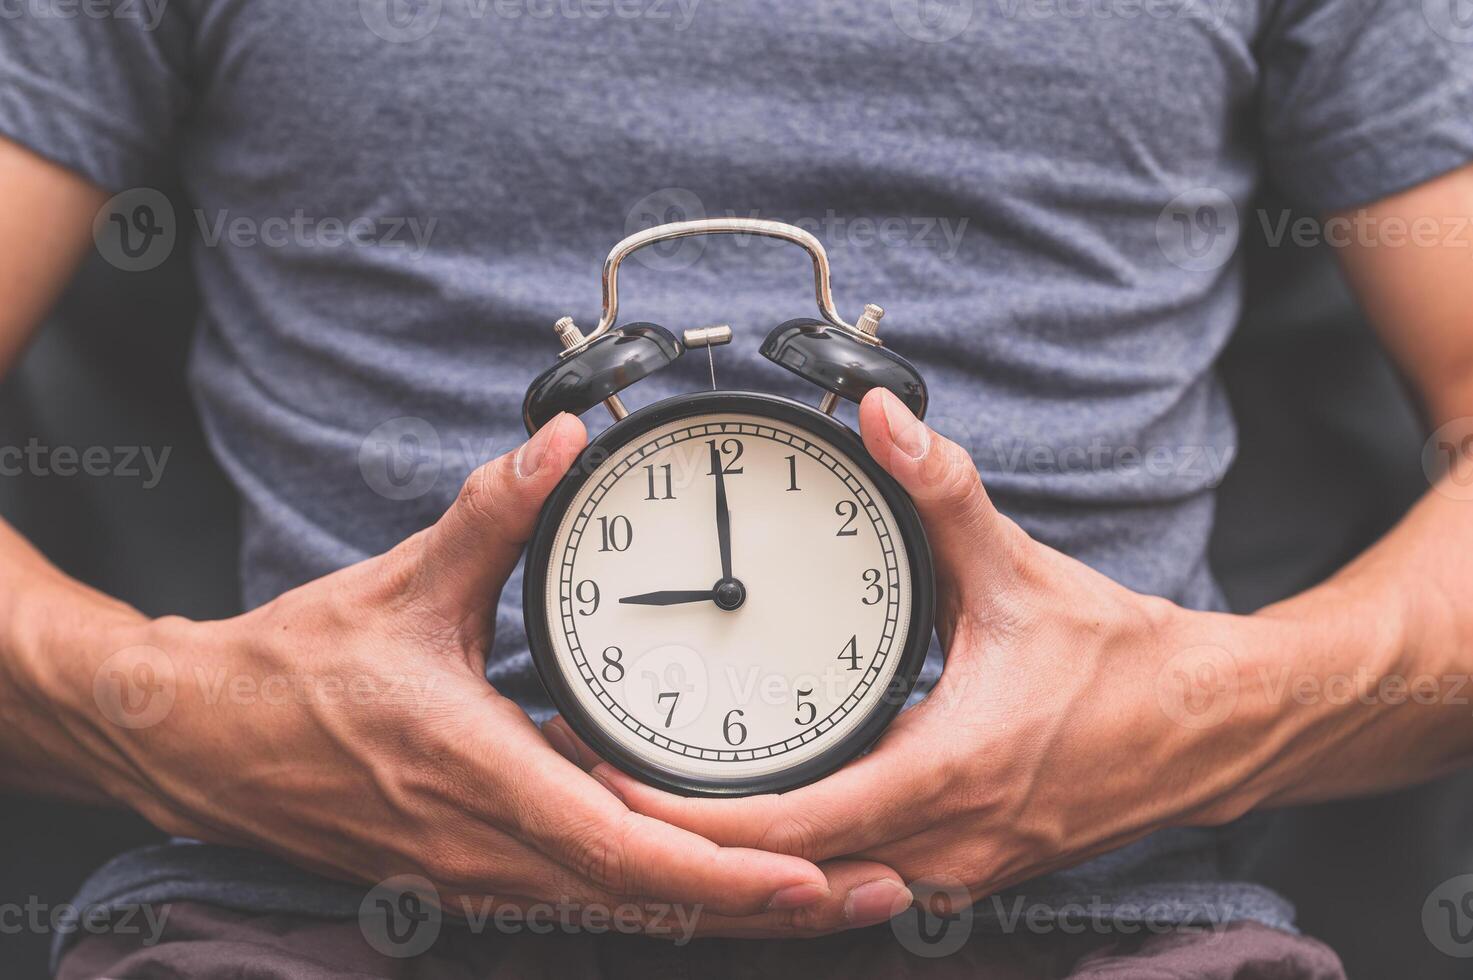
{"x":391,"y":201}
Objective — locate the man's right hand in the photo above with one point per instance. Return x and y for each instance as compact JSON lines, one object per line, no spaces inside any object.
{"x":347,"y":726}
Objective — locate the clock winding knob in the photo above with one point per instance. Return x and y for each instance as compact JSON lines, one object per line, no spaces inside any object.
{"x":869,"y":321}
{"x":568,"y":333}
{"x":570,"y":337}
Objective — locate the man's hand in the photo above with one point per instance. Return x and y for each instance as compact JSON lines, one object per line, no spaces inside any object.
{"x":1053,"y":735}
{"x":348,"y":727}
{"x":1075,"y":716}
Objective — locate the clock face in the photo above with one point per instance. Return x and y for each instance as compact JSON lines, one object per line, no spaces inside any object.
{"x":728,"y":597}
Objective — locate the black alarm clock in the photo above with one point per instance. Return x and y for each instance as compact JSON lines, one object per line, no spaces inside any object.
{"x":726,"y":595}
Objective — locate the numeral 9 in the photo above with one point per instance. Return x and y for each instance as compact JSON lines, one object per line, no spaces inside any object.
{"x":587,"y":593}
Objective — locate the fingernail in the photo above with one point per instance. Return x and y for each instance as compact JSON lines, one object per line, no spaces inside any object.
{"x":530,"y":456}
{"x":596,"y":774}
{"x":906,"y":431}
{"x":559,"y":740}
{"x":875,"y":901}
{"x":796,"y":896}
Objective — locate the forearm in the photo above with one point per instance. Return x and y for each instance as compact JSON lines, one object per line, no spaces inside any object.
{"x":55,"y":634}
{"x":1361,"y":684}
{"x":52,"y":629}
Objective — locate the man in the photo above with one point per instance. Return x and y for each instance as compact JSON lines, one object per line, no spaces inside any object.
{"x":1045,"y":199}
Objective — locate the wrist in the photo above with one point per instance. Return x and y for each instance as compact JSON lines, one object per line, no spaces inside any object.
{"x":1218,"y":681}
{"x":57,"y":637}
{"x":1344,"y":664}
{"x":1307,"y":674}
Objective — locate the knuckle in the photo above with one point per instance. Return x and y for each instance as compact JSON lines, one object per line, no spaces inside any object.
{"x":484,"y":492}
{"x":959,"y":479}
{"x":812,"y":921}
{"x":799,"y":834}
{"x":949,"y":476}
{"x":599,"y":855}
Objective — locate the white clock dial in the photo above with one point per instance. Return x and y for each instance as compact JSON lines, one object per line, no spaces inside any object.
{"x":654,"y":652}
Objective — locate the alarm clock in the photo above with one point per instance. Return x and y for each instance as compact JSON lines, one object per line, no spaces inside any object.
{"x":726,"y":595}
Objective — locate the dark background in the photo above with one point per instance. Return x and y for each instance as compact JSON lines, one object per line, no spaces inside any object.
{"x":1329,"y":460}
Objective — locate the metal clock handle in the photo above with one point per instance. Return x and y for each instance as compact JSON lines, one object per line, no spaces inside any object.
{"x":720,"y":226}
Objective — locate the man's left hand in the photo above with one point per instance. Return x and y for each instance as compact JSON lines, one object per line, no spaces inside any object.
{"x":1073,"y":717}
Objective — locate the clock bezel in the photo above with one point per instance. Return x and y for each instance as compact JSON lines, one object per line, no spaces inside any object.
{"x":607,"y":445}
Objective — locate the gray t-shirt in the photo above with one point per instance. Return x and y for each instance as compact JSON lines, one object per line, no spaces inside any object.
{"x":390,"y":202}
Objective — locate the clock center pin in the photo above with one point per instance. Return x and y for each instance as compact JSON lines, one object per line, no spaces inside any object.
{"x":729,"y":594}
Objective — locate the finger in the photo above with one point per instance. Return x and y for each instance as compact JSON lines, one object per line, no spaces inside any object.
{"x":963,"y":527}
{"x":575,"y":820}
{"x":861,"y":893}
{"x":560,"y":735}
{"x":627,"y":853}
{"x":507,"y":869}
{"x":465,"y":558}
{"x":891,"y":793}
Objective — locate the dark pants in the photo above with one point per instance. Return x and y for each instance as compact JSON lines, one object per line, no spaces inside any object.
{"x":202,"y":942}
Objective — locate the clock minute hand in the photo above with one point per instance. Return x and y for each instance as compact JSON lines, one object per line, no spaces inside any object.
{"x":723,"y":515}
{"x":669,"y":598}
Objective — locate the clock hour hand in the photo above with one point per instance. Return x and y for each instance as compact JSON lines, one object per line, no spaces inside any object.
{"x":669,"y":598}
{"x":723,"y":515}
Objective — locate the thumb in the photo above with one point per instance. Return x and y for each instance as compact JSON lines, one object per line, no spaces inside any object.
{"x":465,"y":558}
{"x":966,"y":532}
